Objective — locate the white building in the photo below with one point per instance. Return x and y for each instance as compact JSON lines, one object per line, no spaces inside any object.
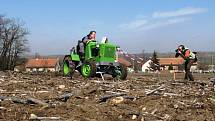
{"x":146,"y":66}
{"x":43,"y":65}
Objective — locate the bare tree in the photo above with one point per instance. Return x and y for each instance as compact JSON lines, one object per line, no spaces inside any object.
{"x":1,"y":26}
{"x":13,"y":42}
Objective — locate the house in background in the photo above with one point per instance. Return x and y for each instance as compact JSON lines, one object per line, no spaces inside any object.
{"x":19,"y":68}
{"x":123,"y":61}
{"x":165,"y":63}
{"x":146,"y":66}
{"x":211,"y":68}
{"x":43,"y":65}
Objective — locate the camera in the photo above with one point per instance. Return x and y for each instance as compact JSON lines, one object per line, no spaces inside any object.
{"x":177,"y":53}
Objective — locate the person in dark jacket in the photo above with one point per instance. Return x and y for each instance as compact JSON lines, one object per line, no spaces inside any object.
{"x":90,"y":36}
{"x":189,"y":57}
{"x":84,"y":41}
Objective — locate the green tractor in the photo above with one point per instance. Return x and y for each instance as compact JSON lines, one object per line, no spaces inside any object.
{"x":98,"y":59}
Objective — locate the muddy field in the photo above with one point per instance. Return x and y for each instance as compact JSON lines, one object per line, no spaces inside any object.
{"x":140,"y":98}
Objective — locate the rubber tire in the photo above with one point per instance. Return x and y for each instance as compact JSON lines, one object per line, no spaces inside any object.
{"x":124,"y":72}
{"x":92,"y":65}
{"x":67,"y":59}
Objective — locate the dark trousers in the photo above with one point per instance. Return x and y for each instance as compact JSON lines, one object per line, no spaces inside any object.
{"x":188,"y":74}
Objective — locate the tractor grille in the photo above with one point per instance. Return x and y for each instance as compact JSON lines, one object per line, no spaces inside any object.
{"x":110,"y":52}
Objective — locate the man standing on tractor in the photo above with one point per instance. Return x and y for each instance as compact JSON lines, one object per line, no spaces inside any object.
{"x":84,"y":41}
{"x":189,"y":57}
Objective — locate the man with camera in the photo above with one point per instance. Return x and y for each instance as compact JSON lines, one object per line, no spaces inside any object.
{"x":189,"y":57}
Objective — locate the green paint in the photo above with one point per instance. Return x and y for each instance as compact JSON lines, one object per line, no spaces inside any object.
{"x":107,"y":52}
{"x":86,"y":70}
{"x":66,"y":69}
{"x":75,"y":57}
{"x":88,"y":50}
{"x":98,"y":52}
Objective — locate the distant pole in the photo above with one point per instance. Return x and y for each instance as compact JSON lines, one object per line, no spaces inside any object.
{"x":212,"y":62}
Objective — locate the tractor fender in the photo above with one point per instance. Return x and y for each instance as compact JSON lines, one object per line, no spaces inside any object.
{"x":75,"y":57}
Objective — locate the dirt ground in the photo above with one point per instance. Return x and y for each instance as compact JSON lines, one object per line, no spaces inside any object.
{"x":142,"y":97}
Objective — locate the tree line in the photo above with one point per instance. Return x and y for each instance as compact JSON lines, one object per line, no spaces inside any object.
{"x":13,"y":42}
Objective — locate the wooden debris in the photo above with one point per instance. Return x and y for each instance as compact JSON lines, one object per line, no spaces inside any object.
{"x":1,"y":79}
{"x":170,"y":94}
{"x":36,"y":101}
{"x":142,"y":118}
{"x":61,"y":86}
{"x":212,"y":79}
{"x":130,"y":97}
{"x":121,"y":90}
{"x":35,"y":117}
{"x":134,"y":117}
{"x":13,"y":99}
{"x":2,"y":98}
{"x":91,"y":90}
{"x":117,"y":100}
{"x":65,"y":97}
{"x":106,"y":97}
{"x":24,"y":101}
{"x":23,"y":92}
{"x":18,"y":100}
{"x":157,"y":89}
{"x":3,"y":108}
{"x":154,"y":111}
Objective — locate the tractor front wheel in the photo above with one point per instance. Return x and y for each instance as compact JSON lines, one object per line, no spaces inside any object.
{"x":120,"y":72}
{"x":88,"y":69}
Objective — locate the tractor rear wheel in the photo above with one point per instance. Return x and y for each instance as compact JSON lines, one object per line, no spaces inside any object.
{"x":88,"y":69}
{"x":68,"y":66}
{"x":120,"y":72}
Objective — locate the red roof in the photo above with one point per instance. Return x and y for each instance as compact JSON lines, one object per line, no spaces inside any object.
{"x":124,"y":62}
{"x":41,"y":63}
{"x":169,"y":61}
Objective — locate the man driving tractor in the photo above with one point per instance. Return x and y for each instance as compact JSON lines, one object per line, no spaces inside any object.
{"x":189,"y":57}
{"x":93,"y":59}
{"x":90,"y":36}
{"x":84,"y":41}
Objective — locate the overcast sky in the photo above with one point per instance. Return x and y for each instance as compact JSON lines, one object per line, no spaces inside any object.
{"x":56,"y":25}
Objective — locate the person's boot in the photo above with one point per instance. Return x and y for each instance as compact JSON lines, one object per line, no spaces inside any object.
{"x":186,"y":76}
{"x":191,"y":77}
